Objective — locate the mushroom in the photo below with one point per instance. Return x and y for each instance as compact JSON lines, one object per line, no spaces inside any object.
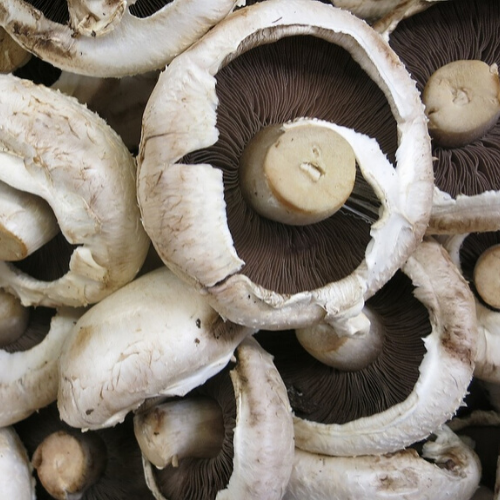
{"x":462,"y":49}
{"x":16,"y":479}
{"x":404,"y":390}
{"x":447,"y":468}
{"x":274,"y":275}
{"x":239,"y":446}
{"x":152,"y":337}
{"x":134,"y":45}
{"x":29,"y":363}
{"x":94,"y":465}
{"x":87,"y":176}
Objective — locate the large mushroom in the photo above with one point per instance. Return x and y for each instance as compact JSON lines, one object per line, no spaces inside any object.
{"x":230,"y":438}
{"x":414,"y":378}
{"x":129,"y":42}
{"x":153,"y":337}
{"x":459,"y":82}
{"x":85,"y":173}
{"x":308,"y":264}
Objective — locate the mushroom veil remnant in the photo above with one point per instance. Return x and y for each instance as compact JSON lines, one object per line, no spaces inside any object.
{"x":279,"y":205}
{"x":115,"y":42}
{"x":85,"y":173}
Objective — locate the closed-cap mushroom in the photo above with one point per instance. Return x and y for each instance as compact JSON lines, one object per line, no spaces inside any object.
{"x":265,"y":273}
{"x":447,"y":468}
{"x":410,"y":388}
{"x":29,"y":364}
{"x":153,"y":337}
{"x":85,"y":173}
{"x":462,"y":49}
{"x":134,"y":45}
{"x":16,"y":479}
{"x":69,"y":464}
{"x":253,"y":459}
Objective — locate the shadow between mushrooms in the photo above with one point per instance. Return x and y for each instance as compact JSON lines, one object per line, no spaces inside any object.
{"x":414,"y":385}
{"x":126,"y":45}
{"x":272,"y":274}
{"x":467,"y":179}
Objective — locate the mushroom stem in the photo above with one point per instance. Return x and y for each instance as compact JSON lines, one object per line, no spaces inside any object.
{"x":178,"y":429}
{"x":486,"y":273}
{"x":26,"y":223}
{"x":14,"y":318}
{"x":297,"y":173}
{"x":68,"y":464}
{"x":345,"y":351}
{"x":462,"y":101}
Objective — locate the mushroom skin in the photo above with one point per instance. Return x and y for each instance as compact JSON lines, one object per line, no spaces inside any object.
{"x":445,"y":371}
{"x":135,"y":45}
{"x":181,"y":118}
{"x":16,"y":479}
{"x":152,"y":337}
{"x":263,"y":436}
{"x":29,"y":379}
{"x":87,"y":176}
{"x":455,"y":473}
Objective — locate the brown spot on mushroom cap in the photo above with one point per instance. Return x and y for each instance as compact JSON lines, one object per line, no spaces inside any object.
{"x":297,"y":76}
{"x":203,"y":478}
{"x":324,"y":394}
{"x":461,"y":29}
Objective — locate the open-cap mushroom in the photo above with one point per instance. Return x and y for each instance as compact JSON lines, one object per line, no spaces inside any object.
{"x":29,"y":362}
{"x":134,"y":44}
{"x":153,"y":337}
{"x":413,"y":383}
{"x":16,"y":479}
{"x":446,"y":468}
{"x":85,"y":173}
{"x":242,"y":447}
{"x":196,"y":126}
{"x":459,"y":82}
{"x":94,"y":465}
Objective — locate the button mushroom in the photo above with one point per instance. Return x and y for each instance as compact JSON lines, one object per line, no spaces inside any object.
{"x":152,"y":337}
{"x":196,"y":126}
{"x":252,"y":454}
{"x":134,"y":45}
{"x":87,"y":176}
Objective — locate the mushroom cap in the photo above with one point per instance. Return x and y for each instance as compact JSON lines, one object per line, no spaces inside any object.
{"x":135,"y":45}
{"x":87,"y":176}
{"x":447,"y":469}
{"x":152,"y":337}
{"x":263,"y":434}
{"x":16,"y":477}
{"x":29,"y":379}
{"x":445,"y":371}
{"x":181,"y":118}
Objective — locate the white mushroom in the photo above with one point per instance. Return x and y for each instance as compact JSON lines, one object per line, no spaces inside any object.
{"x":135,"y":45}
{"x":153,"y":337}
{"x":447,"y":469}
{"x":262,"y":441}
{"x":181,"y":119}
{"x":85,"y":173}
{"x":29,"y":378}
{"x":16,"y":479}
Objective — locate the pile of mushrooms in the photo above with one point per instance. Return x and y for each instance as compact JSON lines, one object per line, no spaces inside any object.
{"x":249,"y":249}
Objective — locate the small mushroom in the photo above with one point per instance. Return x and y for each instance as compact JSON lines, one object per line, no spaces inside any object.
{"x":295,"y":270}
{"x":447,"y":468}
{"x":242,"y":447}
{"x":410,"y":386}
{"x":134,"y":44}
{"x":462,"y":50}
{"x":152,"y":337}
{"x":16,"y":479}
{"x":87,"y":176}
